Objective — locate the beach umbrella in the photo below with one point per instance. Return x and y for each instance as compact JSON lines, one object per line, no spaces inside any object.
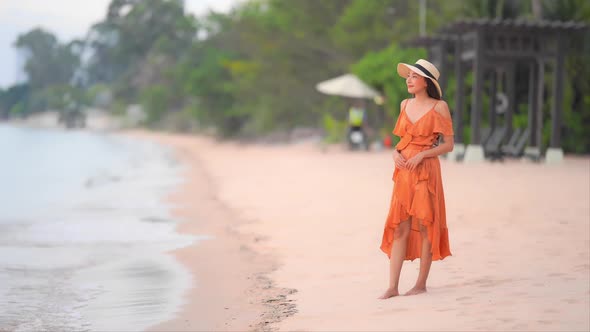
{"x":347,"y":86}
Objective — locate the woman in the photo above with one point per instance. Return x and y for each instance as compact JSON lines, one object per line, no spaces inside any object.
{"x":416,"y":223}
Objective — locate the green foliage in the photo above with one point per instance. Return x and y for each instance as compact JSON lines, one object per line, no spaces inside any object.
{"x":16,"y":94}
{"x":335,"y":129}
{"x":118,"y":107}
{"x":379,"y":69}
{"x":365,"y":26}
{"x":520,"y":119}
{"x":56,"y":97}
{"x":48,"y":62}
{"x":154,"y":100}
{"x":99,"y":95}
{"x":132,"y":32}
{"x":17,"y":110}
{"x":253,"y":71}
{"x":565,"y":10}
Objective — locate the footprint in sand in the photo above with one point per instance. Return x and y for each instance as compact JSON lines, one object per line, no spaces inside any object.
{"x":457,"y":274}
{"x":552,"y":253}
{"x":463,"y":298}
{"x":556,"y":274}
{"x":570,"y":301}
{"x":491,"y":284}
{"x":391,"y":312}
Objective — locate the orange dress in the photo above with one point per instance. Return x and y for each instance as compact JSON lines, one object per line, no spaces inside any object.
{"x":419,"y":193}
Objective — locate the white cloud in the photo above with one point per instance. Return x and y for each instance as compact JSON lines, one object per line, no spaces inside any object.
{"x":199,"y":7}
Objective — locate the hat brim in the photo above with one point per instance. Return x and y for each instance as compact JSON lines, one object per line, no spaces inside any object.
{"x":404,"y":69}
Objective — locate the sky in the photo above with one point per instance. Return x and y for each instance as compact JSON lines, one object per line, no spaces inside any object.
{"x":67,"y":19}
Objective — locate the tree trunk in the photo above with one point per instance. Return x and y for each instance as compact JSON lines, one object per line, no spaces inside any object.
{"x":537,"y":9}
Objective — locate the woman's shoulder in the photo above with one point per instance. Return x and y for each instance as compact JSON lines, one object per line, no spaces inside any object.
{"x":404,"y":103}
{"x":442,"y":108}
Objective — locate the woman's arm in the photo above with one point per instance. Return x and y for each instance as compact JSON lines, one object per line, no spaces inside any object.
{"x":447,"y":144}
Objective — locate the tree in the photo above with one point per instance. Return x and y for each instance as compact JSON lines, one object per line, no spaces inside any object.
{"x":366,"y":26}
{"x":47,"y":61}
{"x":14,"y":95}
{"x":130,"y":32}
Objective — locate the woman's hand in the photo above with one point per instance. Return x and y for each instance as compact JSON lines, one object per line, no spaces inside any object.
{"x":413,"y":162}
{"x":400,"y":161}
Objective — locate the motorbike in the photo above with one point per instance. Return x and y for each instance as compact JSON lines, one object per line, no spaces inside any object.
{"x":357,"y":139}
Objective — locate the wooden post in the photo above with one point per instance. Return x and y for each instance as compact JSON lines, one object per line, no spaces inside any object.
{"x":458,"y":112}
{"x":493,"y":92}
{"x":474,"y":151}
{"x":532,"y":122}
{"x":511,"y":93}
{"x":478,"y":66}
{"x":556,"y":107}
{"x":444,"y":66}
{"x":539,"y":110}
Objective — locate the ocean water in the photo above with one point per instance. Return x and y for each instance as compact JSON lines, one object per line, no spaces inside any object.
{"x":84,"y":231}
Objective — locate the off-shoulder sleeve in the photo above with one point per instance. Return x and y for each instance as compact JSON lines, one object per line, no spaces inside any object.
{"x":399,"y":130}
{"x":443,"y":125}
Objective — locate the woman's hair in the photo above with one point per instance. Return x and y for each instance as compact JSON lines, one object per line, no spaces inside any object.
{"x":431,"y":89}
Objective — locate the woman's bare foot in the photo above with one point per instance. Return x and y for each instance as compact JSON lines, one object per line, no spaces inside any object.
{"x":416,"y":290}
{"x":390,"y":292}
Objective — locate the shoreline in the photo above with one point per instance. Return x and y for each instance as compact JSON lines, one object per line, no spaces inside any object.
{"x":246,"y":298}
{"x":85,"y":236}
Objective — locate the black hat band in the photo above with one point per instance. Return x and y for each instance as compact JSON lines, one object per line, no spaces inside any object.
{"x":425,"y":71}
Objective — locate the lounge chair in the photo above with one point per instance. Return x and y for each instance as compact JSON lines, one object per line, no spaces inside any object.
{"x":517,"y":149}
{"x":493,"y":144}
{"x":508,"y":147}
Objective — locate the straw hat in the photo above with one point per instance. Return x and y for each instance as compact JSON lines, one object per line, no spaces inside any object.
{"x":422,"y":68}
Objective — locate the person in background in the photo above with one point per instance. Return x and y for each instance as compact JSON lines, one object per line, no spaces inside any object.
{"x":357,"y":136}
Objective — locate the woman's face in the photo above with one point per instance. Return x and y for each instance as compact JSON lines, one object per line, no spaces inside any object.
{"x":415,"y":83}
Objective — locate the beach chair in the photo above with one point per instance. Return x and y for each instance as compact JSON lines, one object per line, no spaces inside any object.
{"x":533,"y":153}
{"x":492,"y":146}
{"x":522,"y":149}
{"x":508,"y":147}
{"x":519,"y":146}
{"x":485,"y":134}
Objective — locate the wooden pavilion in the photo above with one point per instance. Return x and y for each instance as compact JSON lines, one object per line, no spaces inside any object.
{"x":492,"y":49}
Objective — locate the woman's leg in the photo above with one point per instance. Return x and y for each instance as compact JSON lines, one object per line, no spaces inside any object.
{"x":398,"y":254}
{"x":425,"y":263}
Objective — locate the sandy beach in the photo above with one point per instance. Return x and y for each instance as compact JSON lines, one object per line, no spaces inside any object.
{"x":296,"y":233}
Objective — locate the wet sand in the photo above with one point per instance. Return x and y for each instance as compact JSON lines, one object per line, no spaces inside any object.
{"x":298,"y":218}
